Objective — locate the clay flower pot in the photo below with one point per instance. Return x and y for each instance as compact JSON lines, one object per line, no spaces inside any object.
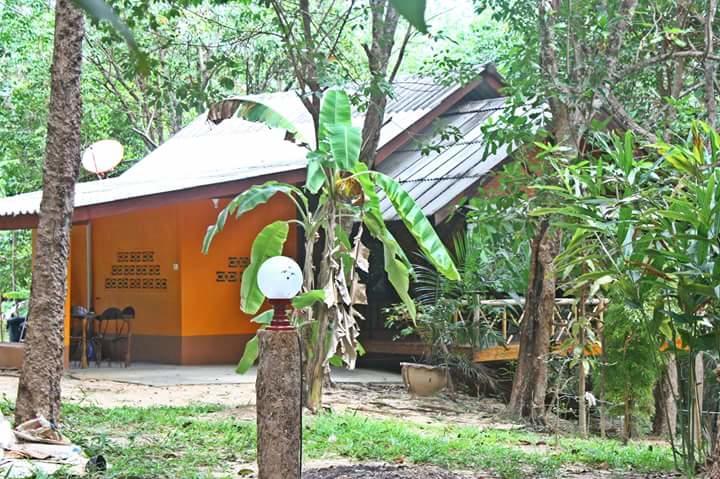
{"x":424,"y":380}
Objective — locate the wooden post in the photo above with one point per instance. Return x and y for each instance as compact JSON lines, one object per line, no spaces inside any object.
{"x":505,"y":325}
{"x":279,"y":405}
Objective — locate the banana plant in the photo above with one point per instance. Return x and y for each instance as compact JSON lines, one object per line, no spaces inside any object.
{"x":346,"y":202}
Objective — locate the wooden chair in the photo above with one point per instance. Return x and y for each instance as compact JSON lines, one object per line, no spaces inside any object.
{"x":78,"y":316}
{"x":113,"y":326}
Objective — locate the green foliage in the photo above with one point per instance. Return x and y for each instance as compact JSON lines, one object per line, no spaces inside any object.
{"x":247,"y":201}
{"x":308,"y":298}
{"x":396,"y":263}
{"x":196,"y":441}
{"x":101,"y":11}
{"x":250,"y":355}
{"x":497,"y":246}
{"x":268,"y":243}
{"x":645,"y":228}
{"x":418,"y":225}
{"x":345,"y":145}
{"x":413,"y":11}
{"x":632,"y":356}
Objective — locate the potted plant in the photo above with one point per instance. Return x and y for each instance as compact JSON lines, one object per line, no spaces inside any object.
{"x":447,"y":321}
{"x":450,"y":335}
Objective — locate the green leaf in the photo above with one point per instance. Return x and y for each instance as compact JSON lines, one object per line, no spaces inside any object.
{"x":227,"y":83}
{"x":249,"y":356}
{"x":315,"y":175}
{"x":247,"y":201}
{"x":253,"y":110}
{"x":397,"y":265}
{"x":335,"y":110}
{"x":100,"y":10}
{"x":413,"y":11}
{"x":418,"y":225}
{"x":308,"y":299}
{"x":264,"y":318}
{"x":268,"y":243}
{"x":345,"y":144}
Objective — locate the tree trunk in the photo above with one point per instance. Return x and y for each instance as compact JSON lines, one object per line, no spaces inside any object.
{"x":710,"y":64}
{"x":316,"y":346}
{"x":666,"y":392}
{"x":39,"y":387}
{"x":384,"y":25}
{"x":530,"y":384}
{"x":714,"y":472}
{"x":697,"y":403}
{"x":582,"y":404}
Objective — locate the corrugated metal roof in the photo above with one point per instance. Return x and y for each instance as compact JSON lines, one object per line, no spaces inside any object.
{"x":204,"y":153}
{"x":436,"y":178}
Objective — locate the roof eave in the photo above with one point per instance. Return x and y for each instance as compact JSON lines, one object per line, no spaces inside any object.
{"x":83,"y":214}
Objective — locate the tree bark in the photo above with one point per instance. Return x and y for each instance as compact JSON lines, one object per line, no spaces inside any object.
{"x":39,"y":387}
{"x":530,"y":384}
{"x":710,"y":65}
{"x":384,"y":24}
{"x":582,"y":404}
{"x":714,"y":471}
{"x":666,"y":392}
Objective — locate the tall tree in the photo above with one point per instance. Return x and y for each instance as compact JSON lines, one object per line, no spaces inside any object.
{"x":600,"y":65}
{"x":530,"y":383}
{"x":39,"y":387}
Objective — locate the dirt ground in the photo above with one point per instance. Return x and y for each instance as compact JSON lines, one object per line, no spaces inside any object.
{"x":379,"y":471}
{"x":377,"y":400}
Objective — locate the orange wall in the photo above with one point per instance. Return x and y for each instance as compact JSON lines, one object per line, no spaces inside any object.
{"x":210,"y":307}
{"x":78,"y":258}
{"x":193,"y":303}
{"x":154,"y":231}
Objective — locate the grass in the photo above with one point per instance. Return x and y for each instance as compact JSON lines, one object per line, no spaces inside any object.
{"x":191,"y":442}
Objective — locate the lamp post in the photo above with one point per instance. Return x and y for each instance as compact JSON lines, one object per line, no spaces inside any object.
{"x":278,"y":385}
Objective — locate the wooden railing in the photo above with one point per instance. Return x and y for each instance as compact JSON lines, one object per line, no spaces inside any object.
{"x":507,"y":315}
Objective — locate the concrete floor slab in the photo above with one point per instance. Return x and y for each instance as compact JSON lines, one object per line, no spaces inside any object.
{"x":170,"y":375}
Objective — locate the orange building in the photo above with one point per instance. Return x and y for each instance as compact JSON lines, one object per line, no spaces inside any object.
{"x":136,"y":238}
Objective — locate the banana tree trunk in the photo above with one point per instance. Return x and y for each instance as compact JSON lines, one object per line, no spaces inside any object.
{"x":316,"y":340}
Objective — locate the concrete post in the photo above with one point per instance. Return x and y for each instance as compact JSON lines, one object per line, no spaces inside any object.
{"x":279,"y":415}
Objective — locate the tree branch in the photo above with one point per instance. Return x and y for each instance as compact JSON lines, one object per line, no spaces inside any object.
{"x":710,"y":65}
{"x":618,"y":112}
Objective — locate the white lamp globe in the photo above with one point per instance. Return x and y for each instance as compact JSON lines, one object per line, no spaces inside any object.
{"x":280,"y":277}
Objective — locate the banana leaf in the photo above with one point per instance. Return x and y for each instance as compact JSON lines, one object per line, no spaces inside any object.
{"x":315,"y":174}
{"x":335,"y":110}
{"x":418,"y":225}
{"x":255,"y":111}
{"x":397,"y":265}
{"x":268,"y":243}
{"x":247,"y":201}
{"x":345,"y":144}
{"x":308,"y":299}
